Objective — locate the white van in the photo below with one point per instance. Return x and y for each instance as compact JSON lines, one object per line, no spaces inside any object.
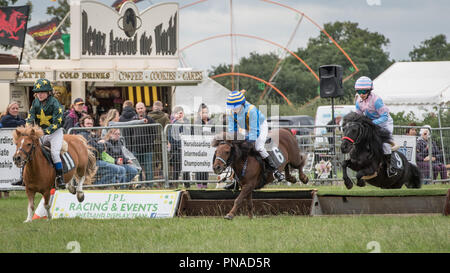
{"x":323,"y":116}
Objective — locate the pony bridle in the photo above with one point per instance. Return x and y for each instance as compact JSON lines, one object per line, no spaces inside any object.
{"x":28,"y":154}
{"x":352,"y":140}
{"x":226,"y":163}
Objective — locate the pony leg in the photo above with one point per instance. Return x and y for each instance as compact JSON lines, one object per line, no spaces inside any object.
{"x":71,"y":186}
{"x":348,"y":183}
{"x":250,"y":205}
{"x":30,"y":195}
{"x":80,"y":193}
{"x":246,"y":190}
{"x":289,"y":177}
{"x":47,"y":204}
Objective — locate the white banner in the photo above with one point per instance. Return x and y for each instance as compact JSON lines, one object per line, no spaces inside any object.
{"x":9,"y":173}
{"x":116,"y":204}
{"x":197,"y":153}
{"x":407,"y":146}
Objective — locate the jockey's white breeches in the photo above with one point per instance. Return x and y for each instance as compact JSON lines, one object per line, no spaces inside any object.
{"x":388,"y":125}
{"x":261,"y":140}
{"x":55,"y":140}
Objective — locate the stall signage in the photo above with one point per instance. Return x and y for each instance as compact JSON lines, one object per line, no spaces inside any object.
{"x":97,"y":76}
{"x":128,"y":33}
{"x":32,"y":76}
{"x":159,"y":76}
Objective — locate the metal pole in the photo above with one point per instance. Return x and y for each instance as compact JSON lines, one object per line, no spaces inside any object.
{"x":440,"y":133}
{"x":164,"y":136}
{"x":334,"y":137}
{"x":49,"y":38}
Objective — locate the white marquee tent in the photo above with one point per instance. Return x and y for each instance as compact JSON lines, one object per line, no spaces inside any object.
{"x":414,"y":86}
{"x":208,"y":91}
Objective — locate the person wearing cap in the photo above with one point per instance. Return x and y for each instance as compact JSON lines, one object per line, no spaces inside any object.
{"x":245,"y":117}
{"x":373,"y":107}
{"x":46,"y":112}
{"x":74,"y":115}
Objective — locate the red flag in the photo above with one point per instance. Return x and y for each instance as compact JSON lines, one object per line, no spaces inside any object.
{"x":118,"y":3}
{"x":41,"y":32}
{"x":13,"y":25}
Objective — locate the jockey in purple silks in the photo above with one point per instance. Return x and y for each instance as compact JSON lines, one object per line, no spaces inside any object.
{"x":373,"y":107}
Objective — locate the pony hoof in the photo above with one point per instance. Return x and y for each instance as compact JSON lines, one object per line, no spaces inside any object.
{"x":348,"y":185}
{"x":228,"y":217}
{"x":72,"y":189}
{"x":360,"y":184}
{"x":80,"y":196}
{"x":27,"y":221}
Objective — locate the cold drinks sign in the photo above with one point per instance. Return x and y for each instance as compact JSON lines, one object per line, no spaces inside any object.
{"x":106,"y":33}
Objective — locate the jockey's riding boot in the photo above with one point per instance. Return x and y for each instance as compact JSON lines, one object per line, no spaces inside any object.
{"x":276,"y":173}
{"x":59,"y":181}
{"x":20,"y":182}
{"x":231,"y":185}
{"x":390,"y":163}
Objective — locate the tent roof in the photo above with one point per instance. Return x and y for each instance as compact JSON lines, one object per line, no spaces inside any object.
{"x":213,"y":94}
{"x":417,"y":83}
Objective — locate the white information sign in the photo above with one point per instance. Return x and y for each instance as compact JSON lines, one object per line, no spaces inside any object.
{"x":407,"y":146}
{"x":116,"y":204}
{"x":9,"y":173}
{"x":197,"y":153}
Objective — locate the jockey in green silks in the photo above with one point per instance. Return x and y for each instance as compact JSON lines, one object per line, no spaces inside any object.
{"x":47,"y":113}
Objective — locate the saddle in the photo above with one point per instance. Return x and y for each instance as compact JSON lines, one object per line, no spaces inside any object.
{"x":66,"y":159}
{"x":395,"y":158}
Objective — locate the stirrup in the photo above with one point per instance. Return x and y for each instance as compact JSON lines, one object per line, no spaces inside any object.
{"x":231,"y":186}
{"x":59,"y":182}
{"x":278,"y":176}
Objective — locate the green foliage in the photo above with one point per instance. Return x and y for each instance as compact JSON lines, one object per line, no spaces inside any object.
{"x":434,"y":49}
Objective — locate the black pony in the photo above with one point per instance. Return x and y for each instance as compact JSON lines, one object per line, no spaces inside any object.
{"x":364,"y":141}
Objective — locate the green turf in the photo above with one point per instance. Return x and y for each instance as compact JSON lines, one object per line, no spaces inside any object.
{"x":427,"y":233}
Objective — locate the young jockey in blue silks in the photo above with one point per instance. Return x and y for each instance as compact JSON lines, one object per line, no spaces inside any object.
{"x":373,"y":107}
{"x":245,"y":116}
{"x":47,"y":113}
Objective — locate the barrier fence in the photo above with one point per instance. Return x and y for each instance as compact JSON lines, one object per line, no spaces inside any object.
{"x":147,"y":155}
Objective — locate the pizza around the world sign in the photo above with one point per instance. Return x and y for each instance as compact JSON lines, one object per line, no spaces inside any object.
{"x":128,"y":33}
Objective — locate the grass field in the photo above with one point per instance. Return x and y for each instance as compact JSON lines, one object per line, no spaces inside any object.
{"x":424,"y":233}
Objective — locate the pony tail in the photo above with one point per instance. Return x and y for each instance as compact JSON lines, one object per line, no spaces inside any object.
{"x":91,"y":169}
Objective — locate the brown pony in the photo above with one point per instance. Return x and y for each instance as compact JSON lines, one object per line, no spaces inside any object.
{"x":39,"y":175}
{"x":249,"y":167}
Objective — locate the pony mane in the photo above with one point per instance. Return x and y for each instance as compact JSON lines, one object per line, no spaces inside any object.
{"x":227,"y":137}
{"x":33,"y":131}
{"x":373,"y":134}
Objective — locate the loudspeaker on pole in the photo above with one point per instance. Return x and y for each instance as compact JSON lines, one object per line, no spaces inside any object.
{"x":331,"y":81}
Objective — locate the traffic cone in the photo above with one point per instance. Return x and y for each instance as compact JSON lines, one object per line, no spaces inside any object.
{"x":41,"y":212}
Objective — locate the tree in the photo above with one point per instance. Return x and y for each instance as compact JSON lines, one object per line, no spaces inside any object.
{"x":434,"y":49}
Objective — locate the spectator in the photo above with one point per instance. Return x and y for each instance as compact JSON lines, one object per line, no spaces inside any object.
{"x":128,"y":114}
{"x":203,"y":119}
{"x":337,"y":121}
{"x":113,"y":119}
{"x":114,"y":149}
{"x":162,"y":118}
{"x":411,"y":131}
{"x":107,"y":173}
{"x":423,"y":155}
{"x":143,"y":142}
{"x":174,"y":133}
{"x":11,"y":118}
{"x":75,"y":113}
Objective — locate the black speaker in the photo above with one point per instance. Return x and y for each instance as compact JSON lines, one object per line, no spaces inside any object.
{"x":331,"y":81}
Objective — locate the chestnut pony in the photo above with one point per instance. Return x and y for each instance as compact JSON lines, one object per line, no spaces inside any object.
{"x":39,"y":175}
{"x":248,"y":165}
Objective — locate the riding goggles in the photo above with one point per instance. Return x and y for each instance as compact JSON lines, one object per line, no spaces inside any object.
{"x":362,"y":91}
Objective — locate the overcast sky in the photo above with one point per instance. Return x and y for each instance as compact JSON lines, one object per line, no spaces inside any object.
{"x":406,"y":23}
